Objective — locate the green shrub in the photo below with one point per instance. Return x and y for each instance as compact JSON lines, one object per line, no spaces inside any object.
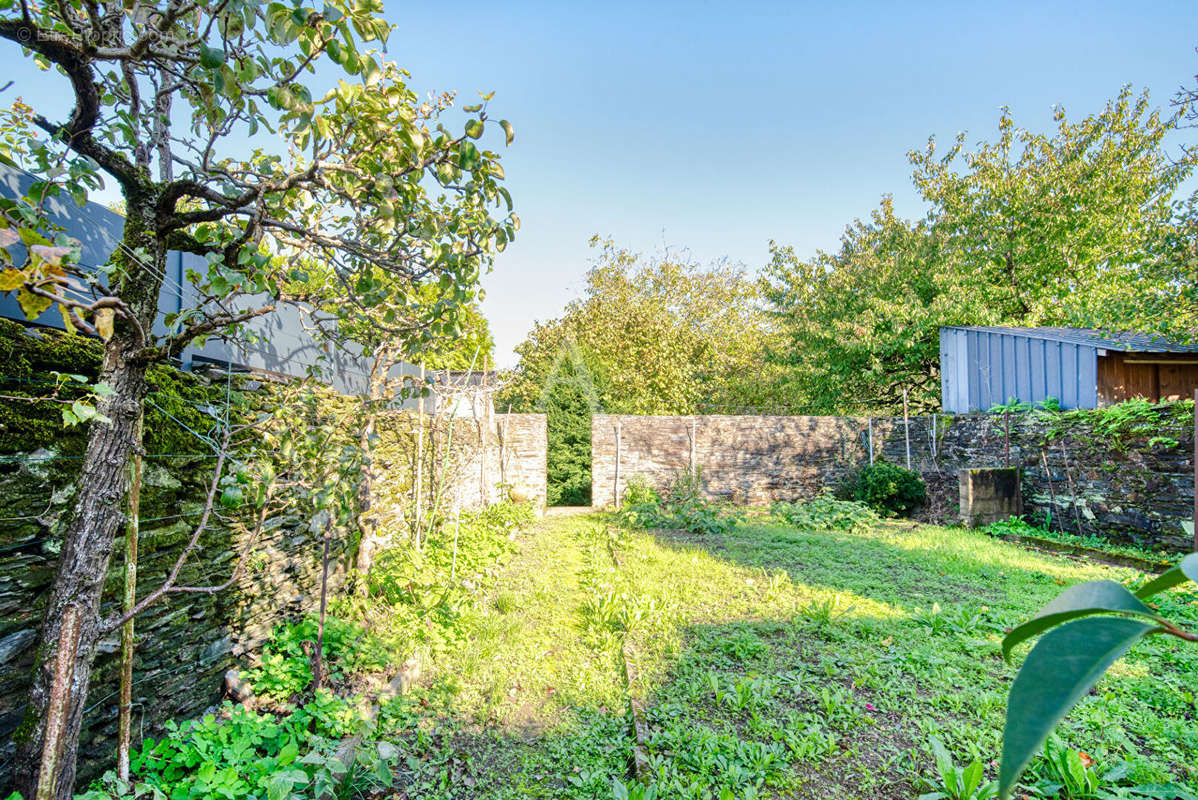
{"x":639,"y":491}
{"x":888,"y":489}
{"x":680,"y":507}
{"x":286,"y":670}
{"x":825,"y":512}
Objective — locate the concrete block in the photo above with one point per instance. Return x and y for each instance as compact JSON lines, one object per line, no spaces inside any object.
{"x":989,"y":495}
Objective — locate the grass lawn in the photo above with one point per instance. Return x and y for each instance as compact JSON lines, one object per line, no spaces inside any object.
{"x":772,"y":661}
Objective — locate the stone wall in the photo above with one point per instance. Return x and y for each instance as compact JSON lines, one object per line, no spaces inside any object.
{"x":502,"y":457}
{"x":187,"y":641}
{"x":1131,"y":488}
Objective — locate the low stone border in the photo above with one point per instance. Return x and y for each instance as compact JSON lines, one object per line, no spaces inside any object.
{"x":1142,"y":564}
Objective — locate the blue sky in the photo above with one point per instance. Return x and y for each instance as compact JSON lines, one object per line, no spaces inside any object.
{"x":719,"y":126}
{"x":715,"y":127}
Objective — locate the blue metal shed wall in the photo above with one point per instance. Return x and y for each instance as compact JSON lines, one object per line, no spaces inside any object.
{"x":982,"y":369}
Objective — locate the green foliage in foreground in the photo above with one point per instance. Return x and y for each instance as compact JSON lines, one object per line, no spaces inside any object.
{"x":774,"y":660}
{"x":889,"y":489}
{"x":285,"y":669}
{"x":286,"y":752}
{"x":240,"y":753}
{"x":1086,"y":629}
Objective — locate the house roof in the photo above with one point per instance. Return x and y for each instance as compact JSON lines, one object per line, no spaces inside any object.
{"x":1128,"y":342}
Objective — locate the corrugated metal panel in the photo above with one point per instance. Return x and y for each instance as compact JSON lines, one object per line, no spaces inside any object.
{"x":974,"y":359}
{"x":963,"y":370}
{"x":1023,"y":367}
{"x":1127,"y":341}
{"x":982,"y":368}
{"x":1087,"y":378}
{"x":1068,"y":375}
{"x":948,"y":371}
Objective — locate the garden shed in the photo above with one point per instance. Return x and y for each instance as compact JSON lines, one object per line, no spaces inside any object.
{"x":981,"y":367}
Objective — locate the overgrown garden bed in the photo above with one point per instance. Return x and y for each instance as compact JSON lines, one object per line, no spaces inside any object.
{"x":819,"y":659}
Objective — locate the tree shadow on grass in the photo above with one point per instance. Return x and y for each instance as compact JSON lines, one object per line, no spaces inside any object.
{"x":754,"y":685}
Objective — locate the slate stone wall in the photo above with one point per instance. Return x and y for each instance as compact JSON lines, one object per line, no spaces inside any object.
{"x":1129,"y":488}
{"x":186,"y":642}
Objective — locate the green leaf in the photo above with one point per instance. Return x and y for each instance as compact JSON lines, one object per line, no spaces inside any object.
{"x":1058,"y":672}
{"x":211,"y":57}
{"x":231,"y":496}
{"x":508,"y":130}
{"x":288,"y":753}
{"x":1082,"y":600}
{"x":474,"y":128}
{"x":468,"y":156}
{"x":1187,"y":569}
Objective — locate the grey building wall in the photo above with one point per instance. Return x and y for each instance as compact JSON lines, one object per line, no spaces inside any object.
{"x":276,"y":343}
{"x":980,"y":369}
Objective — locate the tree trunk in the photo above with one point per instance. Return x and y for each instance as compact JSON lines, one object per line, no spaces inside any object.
{"x":368,"y":521}
{"x":79,"y":581}
{"x":48,"y":740}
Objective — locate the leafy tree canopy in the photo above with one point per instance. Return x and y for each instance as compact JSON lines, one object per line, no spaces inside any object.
{"x":1079,"y":228}
{"x":658,"y":336}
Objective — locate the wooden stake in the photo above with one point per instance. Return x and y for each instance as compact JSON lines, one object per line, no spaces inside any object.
{"x":507,"y":419}
{"x":871,"y":441}
{"x":132,"y":533}
{"x":1052,"y":492}
{"x":318,"y":660}
{"x":457,"y":522}
{"x":1077,"y":517}
{"x":694,"y":437}
{"x":1006,"y":426}
{"x":419,"y":457}
{"x":907,"y":428}
{"x":619,"y":426}
{"x":935,"y":425}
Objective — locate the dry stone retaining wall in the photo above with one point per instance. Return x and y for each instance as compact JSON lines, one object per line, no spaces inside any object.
{"x":1128,"y":489}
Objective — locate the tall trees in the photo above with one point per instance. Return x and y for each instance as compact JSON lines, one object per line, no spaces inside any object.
{"x":862,"y":323}
{"x":1081,"y":227}
{"x":660,"y":336}
{"x":365,"y":179}
{"x":1067,"y":229}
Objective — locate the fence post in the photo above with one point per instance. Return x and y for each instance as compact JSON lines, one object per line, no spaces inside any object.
{"x":694,"y":436}
{"x":616,"y":488}
{"x":907,"y":428}
{"x":871,"y":440}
